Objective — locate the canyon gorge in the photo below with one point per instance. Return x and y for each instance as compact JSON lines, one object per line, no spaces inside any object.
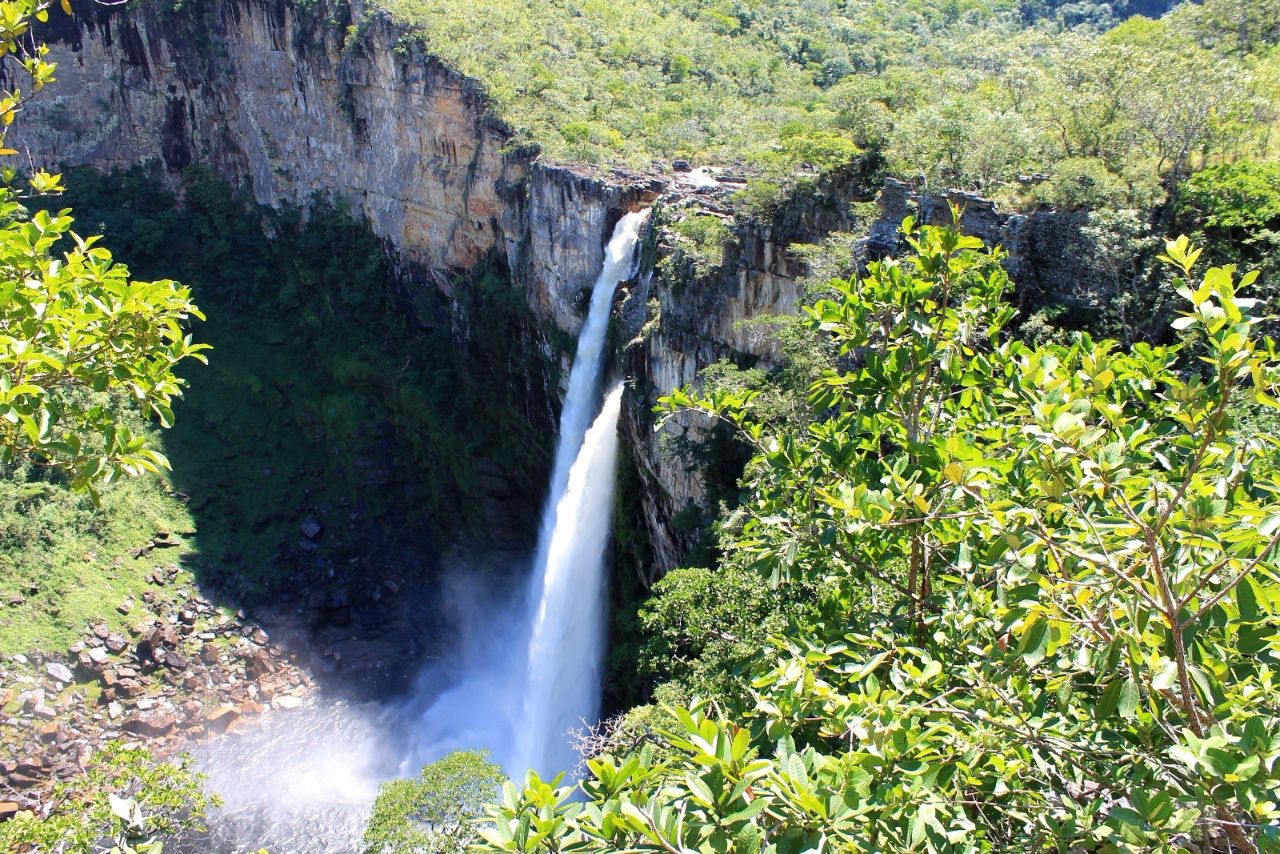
{"x":302,"y":106}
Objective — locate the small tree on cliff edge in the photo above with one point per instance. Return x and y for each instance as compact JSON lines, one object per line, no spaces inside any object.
{"x":79,"y":340}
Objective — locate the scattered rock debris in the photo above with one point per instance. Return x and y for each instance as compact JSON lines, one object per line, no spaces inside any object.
{"x":185,"y":672}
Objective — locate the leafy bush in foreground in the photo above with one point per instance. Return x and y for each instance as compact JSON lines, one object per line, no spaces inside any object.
{"x":125,"y":802}
{"x":1072,"y":639}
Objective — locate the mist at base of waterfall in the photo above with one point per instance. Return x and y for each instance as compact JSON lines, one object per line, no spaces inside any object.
{"x":300,"y":781}
{"x":303,"y":781}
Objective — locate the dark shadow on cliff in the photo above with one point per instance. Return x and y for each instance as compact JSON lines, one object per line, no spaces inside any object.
{"x":348,"y":428}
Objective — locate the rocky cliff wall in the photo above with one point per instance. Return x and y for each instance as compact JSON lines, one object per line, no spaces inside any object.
{"x":679,"y":322}
{"x":682,"y":323}
{"x":292,"y":105}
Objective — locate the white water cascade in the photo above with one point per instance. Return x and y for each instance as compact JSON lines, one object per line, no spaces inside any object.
{"x":524,"y":673}
{"x":567,"y":642}
{"x":566,"y":639}
{"x":582,"y":396}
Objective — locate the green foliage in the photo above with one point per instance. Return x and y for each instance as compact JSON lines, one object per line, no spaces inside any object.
{"x":1131,"y":301}
{"x":963,"y":94}
{"x":701,"y":238}
{"x":124,"y":799}
{"x":962,"y":142}
{"x":58,"y":550}
{"x":1234,"y":210}
{"x":1050,"y":588}
{"x":1246,"y":26}
{"x":73,"y":324}
{"x":434,"y":813}
{"x":1235,"y":201}
{"x":1082,"y":183}
{"x":704,"y":627}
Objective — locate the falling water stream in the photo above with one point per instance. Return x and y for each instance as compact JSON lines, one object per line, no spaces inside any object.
{"x":535,"y":672}
{"x":567,"y":643}
{"x":525,"y":667}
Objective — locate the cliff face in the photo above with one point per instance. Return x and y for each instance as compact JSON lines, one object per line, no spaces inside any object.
{"x":1046,"y":249}
{"x":679,"y":323}
{"x":292,"y":106}
{"x":279,"y":104}
{"x":688,"y":322}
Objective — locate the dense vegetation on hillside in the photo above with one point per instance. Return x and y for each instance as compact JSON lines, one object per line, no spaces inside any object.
{"x":965,"y":94}
{"x":1026,"y":596}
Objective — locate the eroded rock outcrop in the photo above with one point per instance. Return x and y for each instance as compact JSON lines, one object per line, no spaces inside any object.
{"x":294,"y":105}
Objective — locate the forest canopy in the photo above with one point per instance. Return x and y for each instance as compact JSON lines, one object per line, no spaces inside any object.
{"x":987,"y":95}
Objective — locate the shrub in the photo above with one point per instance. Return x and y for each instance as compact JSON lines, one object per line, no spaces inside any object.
{"x":1081,"y":183}
{"x":433,"y":813}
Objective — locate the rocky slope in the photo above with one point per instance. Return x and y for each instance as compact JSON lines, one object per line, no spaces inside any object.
{"x":183,"y":670}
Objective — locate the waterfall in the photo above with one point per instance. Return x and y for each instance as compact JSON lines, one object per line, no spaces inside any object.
{"x":581,"y":398}
{"x":566,"y":646}
{"x":523,"y":673}
{"x":566,"y":639}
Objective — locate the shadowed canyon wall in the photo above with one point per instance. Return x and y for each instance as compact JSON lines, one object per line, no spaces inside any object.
{"x":296,"y":103}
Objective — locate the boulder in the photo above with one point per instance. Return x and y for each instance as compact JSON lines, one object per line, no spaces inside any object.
{"x":219,"y":719}
{"x":151,"y":724}
{"x":191,"y":714}
{"x":152,"y":647}
{"x":258,"y":664}
{"x":59,"y":671}
{"x":129,"y":688}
